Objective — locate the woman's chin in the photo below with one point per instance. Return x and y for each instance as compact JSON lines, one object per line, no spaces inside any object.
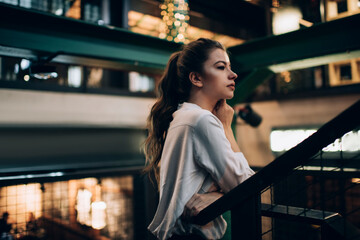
{"x":230,"y":96}
{"x":226,"y":96}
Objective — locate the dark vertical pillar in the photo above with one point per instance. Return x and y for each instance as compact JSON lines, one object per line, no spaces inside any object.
{"x":1,"y":69}
{"x":152,"y":197}
{"x":85,"y":77}
{"x":115,"y":13}
{"x":82,"y":9}
{"x":268,"y":20}
{"x":64,"y":8}
{"x":115,"y":80}
{"x":246,"y":220}
{"x":145,"y":204}
{"x":49,"y":5}
{"x":139,"y":203}
{"x":118,"y":12}
{"x":105,"y":11}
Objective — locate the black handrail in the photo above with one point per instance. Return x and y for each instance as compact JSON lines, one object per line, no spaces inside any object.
{"x":283,"y":165}
{"x":311,"y":216}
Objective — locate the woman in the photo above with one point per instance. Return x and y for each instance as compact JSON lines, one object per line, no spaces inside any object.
{"x":191,"y":141}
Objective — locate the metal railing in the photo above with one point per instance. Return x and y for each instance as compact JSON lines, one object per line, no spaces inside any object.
{"x":322,"y":195}
{"x":244,"y":201}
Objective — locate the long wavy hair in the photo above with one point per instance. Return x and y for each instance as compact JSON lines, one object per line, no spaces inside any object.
{"x":174,"y":88}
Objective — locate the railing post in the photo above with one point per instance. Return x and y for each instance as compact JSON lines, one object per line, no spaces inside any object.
{"x":246,"y":220}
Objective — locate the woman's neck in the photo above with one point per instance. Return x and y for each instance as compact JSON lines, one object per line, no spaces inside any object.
{"x":202,"y":102}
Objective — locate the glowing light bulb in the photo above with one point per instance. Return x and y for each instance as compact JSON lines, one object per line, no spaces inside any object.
{"x":98,"y":214}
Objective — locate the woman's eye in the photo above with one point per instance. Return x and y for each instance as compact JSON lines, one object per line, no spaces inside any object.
{"x":221,"y":67}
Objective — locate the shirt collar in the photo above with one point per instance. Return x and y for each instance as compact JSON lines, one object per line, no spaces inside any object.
{"x":187,"y":105}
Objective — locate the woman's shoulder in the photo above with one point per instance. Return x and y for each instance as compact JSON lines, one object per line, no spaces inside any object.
{"x":195,"y":117}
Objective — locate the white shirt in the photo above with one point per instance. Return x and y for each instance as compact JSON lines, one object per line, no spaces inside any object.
{"x":196,"y":155}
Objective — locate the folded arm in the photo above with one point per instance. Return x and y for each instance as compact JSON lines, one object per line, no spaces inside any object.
{"x":198,"y":202}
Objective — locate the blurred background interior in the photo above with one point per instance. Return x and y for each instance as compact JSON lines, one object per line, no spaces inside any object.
{"x":78,"y":78}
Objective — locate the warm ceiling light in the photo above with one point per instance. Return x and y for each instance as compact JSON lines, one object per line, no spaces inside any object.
{"x":286,"y":20}
{"x":43,"y":72}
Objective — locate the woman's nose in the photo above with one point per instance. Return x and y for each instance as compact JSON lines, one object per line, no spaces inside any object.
{"x":232,"y":75}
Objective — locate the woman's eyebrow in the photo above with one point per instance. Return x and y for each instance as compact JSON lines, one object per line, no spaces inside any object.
{"x":221,"y":61}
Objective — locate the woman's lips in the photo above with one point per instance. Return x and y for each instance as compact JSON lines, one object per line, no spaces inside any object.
{"x":232,"y":86}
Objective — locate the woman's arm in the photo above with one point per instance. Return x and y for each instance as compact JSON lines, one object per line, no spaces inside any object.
{"x":199,"y":202}
{"x":216,"y":150}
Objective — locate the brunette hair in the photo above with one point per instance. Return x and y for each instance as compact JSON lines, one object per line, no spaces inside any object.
{"x":174,"y":88}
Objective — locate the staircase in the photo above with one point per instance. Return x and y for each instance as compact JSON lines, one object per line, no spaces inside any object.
{"x":308,"y":192}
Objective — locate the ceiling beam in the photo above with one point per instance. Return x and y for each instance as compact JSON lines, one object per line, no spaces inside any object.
{"x":321,"y":44}
{"x":318,"y":45}
{"x":41,"y":33}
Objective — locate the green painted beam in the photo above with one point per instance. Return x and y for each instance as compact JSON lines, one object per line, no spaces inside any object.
{"x":320,"y":44}
{"x":44,"y":33}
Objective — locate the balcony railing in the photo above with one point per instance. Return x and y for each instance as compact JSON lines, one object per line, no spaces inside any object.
{"x":293,"y":188}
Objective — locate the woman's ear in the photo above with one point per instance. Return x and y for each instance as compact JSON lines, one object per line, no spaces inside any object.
{"x":195,"y":79}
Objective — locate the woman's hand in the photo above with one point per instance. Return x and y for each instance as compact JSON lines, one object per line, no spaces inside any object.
{"x":199,"y":202}
{"x":224,"y":113}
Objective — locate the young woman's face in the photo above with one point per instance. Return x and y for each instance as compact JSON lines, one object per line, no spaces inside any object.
{"x":217,"y":77}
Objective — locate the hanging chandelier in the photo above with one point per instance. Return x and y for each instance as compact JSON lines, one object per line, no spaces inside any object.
{"x":175,"y":18}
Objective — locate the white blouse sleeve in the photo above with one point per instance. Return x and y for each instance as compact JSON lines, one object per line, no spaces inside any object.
{"x":213,"y":152}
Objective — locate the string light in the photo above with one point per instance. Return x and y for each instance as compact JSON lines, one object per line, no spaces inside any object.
{"x":275,"y":5}
{"x":286,"y":76}
{"x":175,"y":20}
